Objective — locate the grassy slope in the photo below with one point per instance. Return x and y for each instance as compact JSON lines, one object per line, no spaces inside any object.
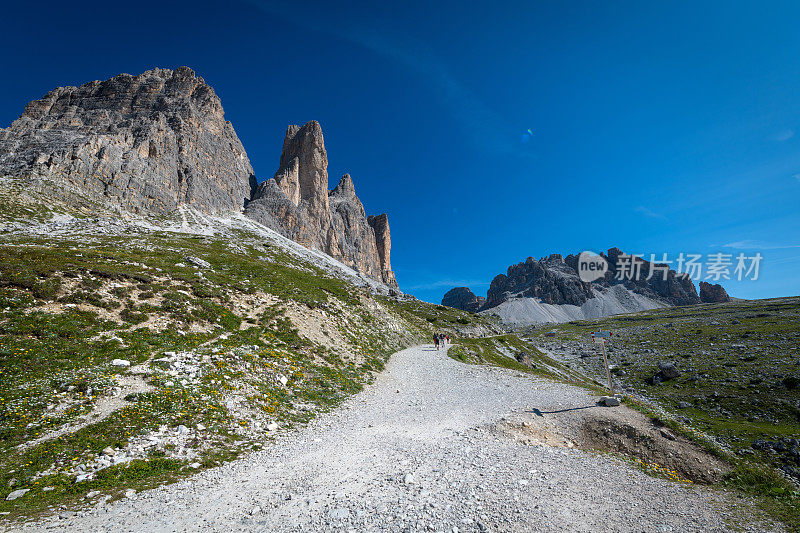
{"x":71,"y":304}
{"x":738,"y":363}
{"x":509,"y":351}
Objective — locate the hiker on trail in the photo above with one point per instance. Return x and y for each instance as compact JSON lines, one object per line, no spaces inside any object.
{"x":436,"y":340}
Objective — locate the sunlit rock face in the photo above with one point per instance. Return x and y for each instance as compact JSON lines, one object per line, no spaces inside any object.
{"x":150,"y":142}
{"x":297,"y":203}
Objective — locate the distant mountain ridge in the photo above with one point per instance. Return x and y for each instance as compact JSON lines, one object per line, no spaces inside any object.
{"x":158,"y":141}
{"x":551,"y":290}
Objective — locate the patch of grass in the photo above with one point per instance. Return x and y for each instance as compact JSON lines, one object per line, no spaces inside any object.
{"x":509,"y":351}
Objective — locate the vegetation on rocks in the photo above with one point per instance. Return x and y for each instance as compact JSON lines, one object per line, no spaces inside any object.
{"x":124,"y":365}
{"x":723,"y":374}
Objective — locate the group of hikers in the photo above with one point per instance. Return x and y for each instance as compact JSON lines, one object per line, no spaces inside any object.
{"x":441,"y":339}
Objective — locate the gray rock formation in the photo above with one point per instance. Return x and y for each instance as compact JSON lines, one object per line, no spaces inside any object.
{"x":157,"y":141}
{"x":464,"y":299}
{"x":713,"y":294}
{"x":296,"y":202}
{"x":551,"y":280}
{"x":554,"y":280}
{"x":148,"y":143}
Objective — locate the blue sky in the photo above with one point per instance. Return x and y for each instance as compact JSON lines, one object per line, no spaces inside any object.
{"x":658,"y":127}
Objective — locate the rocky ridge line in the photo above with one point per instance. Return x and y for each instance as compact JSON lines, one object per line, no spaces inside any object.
{"x":555,"y":280}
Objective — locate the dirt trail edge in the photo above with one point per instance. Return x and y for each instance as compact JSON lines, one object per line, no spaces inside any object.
{"x":419,"y":450}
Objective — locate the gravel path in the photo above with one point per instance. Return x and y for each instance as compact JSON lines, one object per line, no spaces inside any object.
{"x":414,"y":452}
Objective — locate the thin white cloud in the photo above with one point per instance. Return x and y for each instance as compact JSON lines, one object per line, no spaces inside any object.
{"x":797,"y":176}
{"x":784,"y":135}
{"x":750,"y":244}
{"x":450,"y":283}
{"x":485,"y":127}
{"x":649,"y":213}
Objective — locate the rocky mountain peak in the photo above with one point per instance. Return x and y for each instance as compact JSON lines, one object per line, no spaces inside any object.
{"x":713,"y":293}
{"x":158,"y":141}
{"x":345,"y":188}
{"x":149,"y":142}
{"x":463,"y":298}
{"x":296,"y":202}
{"x":554,"y":280}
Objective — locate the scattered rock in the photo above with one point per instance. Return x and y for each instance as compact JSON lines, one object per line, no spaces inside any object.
{"x":16,"y":494}
{"x":668,"y":370}
{"x":196,"y":261}
{"x":121,"y":363}
{"x":666,"y":434}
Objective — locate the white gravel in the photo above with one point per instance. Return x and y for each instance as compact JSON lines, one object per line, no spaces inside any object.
{"x":413,"y":453}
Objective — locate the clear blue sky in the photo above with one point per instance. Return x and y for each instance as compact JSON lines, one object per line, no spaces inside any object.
{"x":658,"y":126}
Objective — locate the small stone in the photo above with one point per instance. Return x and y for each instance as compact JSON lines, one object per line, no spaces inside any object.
{"x":255,"y":510}
{"x":16,"y":494}
{"x":47,"y":489}
{"x":130,"y":493}
{"x":84,"y":477}
{"x":182,"y":430}
{"x":200,"y":427}
{"x":121,"y":363}
{"x":408,"y":479}
{"x":195,"y":465}
{"x":92,"y":494}
{"x":608,"y":401}
{"x":196,"y":261}
{"x":666,"y":434}
{"x":272,"y":427}
{"x":108,"y":451}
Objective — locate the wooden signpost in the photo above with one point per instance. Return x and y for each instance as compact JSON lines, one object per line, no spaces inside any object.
{"x":599,"y":337}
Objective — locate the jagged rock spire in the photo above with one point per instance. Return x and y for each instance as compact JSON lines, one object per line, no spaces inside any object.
{"x":297,"y":203}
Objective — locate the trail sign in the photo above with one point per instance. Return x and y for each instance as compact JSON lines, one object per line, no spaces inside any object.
{"x":599,"y":337}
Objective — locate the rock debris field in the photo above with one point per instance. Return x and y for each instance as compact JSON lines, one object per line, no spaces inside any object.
{"x":418,"y":451}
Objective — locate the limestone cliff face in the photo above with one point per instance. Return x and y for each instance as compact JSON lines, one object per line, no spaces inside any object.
{"x":153,"y":142}
{"x":149,"y":142}
{"x":297,"y":203}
